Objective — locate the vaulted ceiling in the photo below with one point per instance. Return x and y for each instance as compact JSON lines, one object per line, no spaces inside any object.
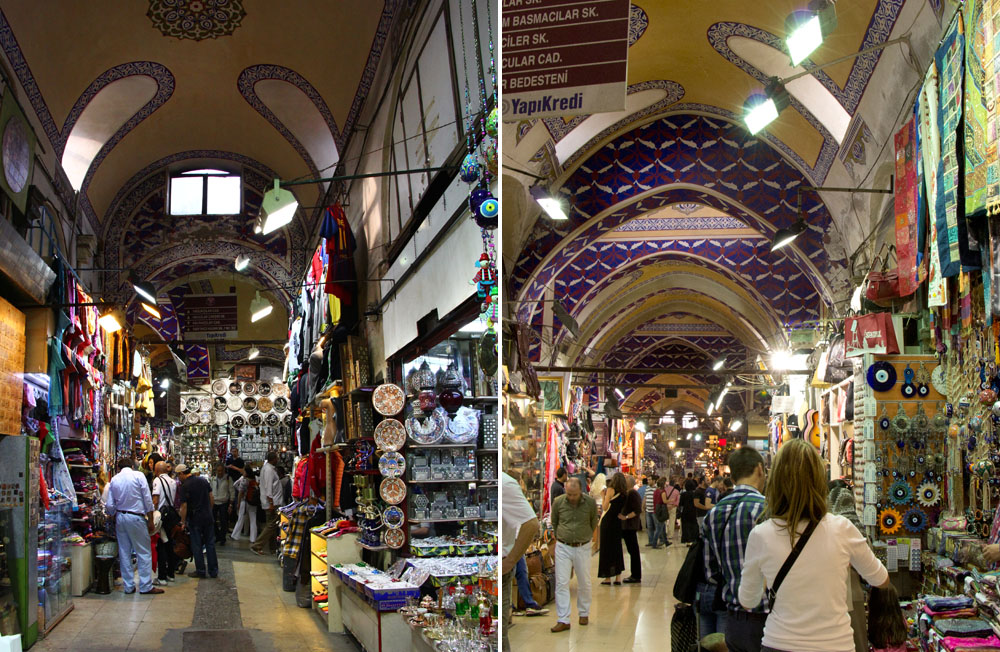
{"x":665,"y":261}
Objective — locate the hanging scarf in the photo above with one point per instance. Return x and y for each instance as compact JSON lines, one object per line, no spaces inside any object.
{"x":991,"y":66}
{"x":930,"y":152}
{"x":976,"y":115}
{"x":949,"y":63}
{"x":906,"y":202}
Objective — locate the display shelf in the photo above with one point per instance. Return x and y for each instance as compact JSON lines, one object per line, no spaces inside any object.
{"x":484,"y":399}
{"x":487,"y":450}
{"x":372,"y":548}
{"x":362,"y":472}
{"x":410,"y":444}
{"x":450,"y":520}
{"x":475,"y":480}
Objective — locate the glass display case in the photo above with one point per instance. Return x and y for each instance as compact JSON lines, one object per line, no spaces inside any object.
{"x":524,"y":446}
{"x":55,"y":599}
{"x":8,"y":601}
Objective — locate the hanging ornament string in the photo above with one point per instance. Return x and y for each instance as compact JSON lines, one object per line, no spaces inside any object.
{"x":469,"y":171}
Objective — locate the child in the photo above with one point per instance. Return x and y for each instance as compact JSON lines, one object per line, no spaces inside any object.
{"x":886,"y":625}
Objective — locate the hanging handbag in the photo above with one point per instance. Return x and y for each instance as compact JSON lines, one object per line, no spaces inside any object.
{"x":882,"y":286}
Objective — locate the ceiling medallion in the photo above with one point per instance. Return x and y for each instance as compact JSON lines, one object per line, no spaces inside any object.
{"x":196,"y":19}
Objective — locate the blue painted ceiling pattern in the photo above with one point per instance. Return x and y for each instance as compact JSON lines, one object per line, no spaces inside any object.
{"x":689,"y":149}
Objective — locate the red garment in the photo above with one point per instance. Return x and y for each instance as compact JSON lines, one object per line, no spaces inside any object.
{"x":43,"y":489}
{"x":337,"y":469}
{"x":317,"y":468}
{"x":153,"y":540}
{"x":340,"y":246}
{"x":300,"y":482}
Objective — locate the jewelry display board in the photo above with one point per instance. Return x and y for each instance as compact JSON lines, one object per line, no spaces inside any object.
{"x":11,"y":368}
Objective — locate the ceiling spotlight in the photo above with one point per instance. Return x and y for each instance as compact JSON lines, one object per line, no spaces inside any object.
{"x":718,"y":364}
{"x":640,"y":426}
{"x":552,"y":206}
{"x":145,"y":290}
{"x":254,"y":352}
{"x":697,"y":437}
{"x":165,"y":383}
{"x":151,"y":309}
{"x":761,"y":109}
{"x":242,"y":262}
{"x":689,"y":435}
{"x":110,"y":321}
{"x":736,"y":425}
{"x":787,"y":235}
{"x":162,"y":394}
{"x":619,"y":394}
{"x":781,"y":360}
{"x":260,"y":308}
{"x":804,"y":30}
{"x":278,"y":208}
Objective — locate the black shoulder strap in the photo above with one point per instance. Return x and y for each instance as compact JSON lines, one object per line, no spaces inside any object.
{"x":789,"y":562}
{"x":166,"y":494}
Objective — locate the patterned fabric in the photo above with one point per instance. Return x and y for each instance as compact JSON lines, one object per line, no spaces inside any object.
{"x":976,"y":114}
{"x":930,"y":152}
{"x":949,"y":63}
{"x":991,"y":65}
{"x":296,"y":531}
{"x":724,"y":550}
{"x":907,"y":199}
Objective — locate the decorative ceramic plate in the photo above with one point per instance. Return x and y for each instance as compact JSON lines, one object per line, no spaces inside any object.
{"x":392,"y":464}
{"x":939,"y":380}
{"x":388,"y":399}
{"x":272,"y":419}
{"x":234,"y":403}
{"x":249,"y":388}
{"x":221,"y":418}
{"x":204,"y":404}
{"x":205,"y":418}
{"x":281,"y":404}
{"x":238,"y":421}
{"x":220,"y":386}
{"x":280,"y":389}
{"x":394,"y":538}
{"x":249,"y":403}
{"x":192,"y":404}
{"x":255,"y":419}
{"x":191,"y":418}
{"x":264,"y":389}
{"x":390,"y":435}
{"x":264,"y":404}
{"x":428,"y":431}
{"x":393,"y":517}
{"x":288,"y":420}
{"x":234,"y":388}
{"x":392,"y":490}
{"x":220,"y":403}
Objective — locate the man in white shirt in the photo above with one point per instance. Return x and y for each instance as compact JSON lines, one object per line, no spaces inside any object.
{"x":165,"y":499}
{"x":271,"y":498}
{"x":131,"y":505}
{"x":520,"y":525}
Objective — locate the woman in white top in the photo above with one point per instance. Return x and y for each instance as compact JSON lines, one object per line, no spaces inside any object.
{"x":810,"y":610}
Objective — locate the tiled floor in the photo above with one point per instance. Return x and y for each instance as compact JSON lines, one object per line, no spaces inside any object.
{"x":117,"y":622}
{"x":627,"y":617}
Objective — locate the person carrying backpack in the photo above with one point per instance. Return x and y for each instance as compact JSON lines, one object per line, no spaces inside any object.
{"x":665,"y":501}
{"x":247,"y":502}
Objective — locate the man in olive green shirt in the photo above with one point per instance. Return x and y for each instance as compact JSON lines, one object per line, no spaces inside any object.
{"x":574,"y":519}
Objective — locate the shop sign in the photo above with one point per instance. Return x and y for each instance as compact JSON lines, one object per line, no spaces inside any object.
{"x":212,"y":316}
{"x":11,"y":368}
{"x":564,"y":59}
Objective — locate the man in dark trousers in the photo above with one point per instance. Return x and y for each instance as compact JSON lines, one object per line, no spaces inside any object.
{"x":196,"y":501}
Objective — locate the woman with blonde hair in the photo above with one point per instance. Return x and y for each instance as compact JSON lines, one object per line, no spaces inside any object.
{"x":808,"y":604}
{"x":611,"y":561}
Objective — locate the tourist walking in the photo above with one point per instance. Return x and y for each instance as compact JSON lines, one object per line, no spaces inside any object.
{"x":195,"y":499}
{"x":610,"y":560}
{"x":647,"y":493}
{"x":271,"y":498}
{"x":814,"y":590}
{"x":165,"y":502}
{"x":669,"y":497}
{"x":247,"y":501}
{"x":222,"y":495}
{"x":689,"y":513}
{"x":631,"y":524}
{"x":519,"y":525}
{"x":574,"y":519}
{"x":131,"y":505}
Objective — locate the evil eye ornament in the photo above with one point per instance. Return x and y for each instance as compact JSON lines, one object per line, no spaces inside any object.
{"x":881,"y":376}
{"x":486,"y":214}
{"x":889,"y":521}
{"x":469,"y":171}
{"x":899,"y":492}
{"x":908,"y":389}
{"x":915,"y":520}
{"x":477,"y":197}
{"x":883,"y":421}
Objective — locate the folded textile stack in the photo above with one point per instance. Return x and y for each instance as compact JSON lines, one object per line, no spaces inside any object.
{"x":956,"y":624}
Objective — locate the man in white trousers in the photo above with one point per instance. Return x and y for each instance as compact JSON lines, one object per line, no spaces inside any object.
{"x":131,"y":505}
{"x":574,"y":519}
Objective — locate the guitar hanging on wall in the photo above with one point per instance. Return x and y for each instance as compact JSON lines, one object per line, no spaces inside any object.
{"x":811,"y":431}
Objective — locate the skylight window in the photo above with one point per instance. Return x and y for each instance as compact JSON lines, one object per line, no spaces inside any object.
{"x":206,"y":192}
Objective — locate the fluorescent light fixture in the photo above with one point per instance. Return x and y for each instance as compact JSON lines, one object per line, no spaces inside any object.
{"x":278,"y":208}
{"x":689,"y":436}
{"x":254,"y":352}
{"x":671,"y":444}
{"x":788,"y":235}
{"x":109,"y":321}
{"x":619,"y":394}
{"x":711,"y":407}
{"x":260,"y":308}
{"x":145,"y":290}
{"x":165,"y":383}
{"x":552,"y":206}
{"x":162,"y":394}
{"x":242,"y":262}
{"x":736,"y":425}
{"x":804,"y":38}
{"x":151,"y":309}
{"x":761,"y":109}
{"x":697,"y":437}
{"x":718,"y":364}
{"x":640,"y":426}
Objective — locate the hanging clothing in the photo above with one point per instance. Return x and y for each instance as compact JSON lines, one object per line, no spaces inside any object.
{"x":340,"y":246}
